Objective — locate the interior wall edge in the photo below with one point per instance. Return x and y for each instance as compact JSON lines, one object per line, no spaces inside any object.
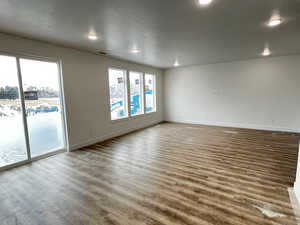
{"x":233,"y":61}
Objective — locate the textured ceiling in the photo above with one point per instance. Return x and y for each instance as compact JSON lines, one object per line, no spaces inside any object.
{"x":164,"y":30}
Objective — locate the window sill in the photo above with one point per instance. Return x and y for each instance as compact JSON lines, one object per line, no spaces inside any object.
{"x":149,"y":113}
{"x":132,"y":117}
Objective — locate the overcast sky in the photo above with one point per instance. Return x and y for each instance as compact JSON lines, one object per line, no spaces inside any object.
{"x":34,"y":73}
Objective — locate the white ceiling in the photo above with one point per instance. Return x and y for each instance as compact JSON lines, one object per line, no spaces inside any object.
{"x":164,"y":30}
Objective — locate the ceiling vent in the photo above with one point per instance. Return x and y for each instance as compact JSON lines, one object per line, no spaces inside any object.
{"x":102,"y":53}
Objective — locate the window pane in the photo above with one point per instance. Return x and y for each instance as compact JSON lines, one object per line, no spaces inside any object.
{"x":136,"y":97}
{"x":43,"y":106}
{"x":118,"y":93}
{"x":12,"y":137}
{"x":150,"y":93}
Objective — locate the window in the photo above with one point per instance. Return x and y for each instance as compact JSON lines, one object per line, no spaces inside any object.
{"x":131,"y":93}
{"x":136,"y":93}
{"x":118,"y":93}
{"x":150,"y":95}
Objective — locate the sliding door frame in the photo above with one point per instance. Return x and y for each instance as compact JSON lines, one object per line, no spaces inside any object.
{"x":23,"y":107}
{"x":65,"y":148}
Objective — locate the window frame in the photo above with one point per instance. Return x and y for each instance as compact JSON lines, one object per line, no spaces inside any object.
{"x":128,"y":96}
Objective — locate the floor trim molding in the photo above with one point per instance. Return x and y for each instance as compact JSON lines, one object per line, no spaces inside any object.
{"x":111,"y":135}
{"x":237,"y":125}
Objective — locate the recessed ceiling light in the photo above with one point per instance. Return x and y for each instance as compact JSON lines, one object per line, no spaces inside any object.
{"x":266,"y":52}
{"x":135,"y":50}
{"x":176,"y":63}
{"x":93,"y":37}
{"x":274,"y":22}
{"x":275,"y":19}
{"x":204,"y":2}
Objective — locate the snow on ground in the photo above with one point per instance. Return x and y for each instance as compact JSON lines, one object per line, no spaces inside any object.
{"x":45,"y":134}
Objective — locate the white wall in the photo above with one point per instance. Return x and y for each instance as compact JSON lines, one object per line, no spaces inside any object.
{"x":86,"y":90}
{"x":260,"y":94}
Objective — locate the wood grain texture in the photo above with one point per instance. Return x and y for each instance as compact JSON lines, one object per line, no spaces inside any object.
{"x":167,"y":174}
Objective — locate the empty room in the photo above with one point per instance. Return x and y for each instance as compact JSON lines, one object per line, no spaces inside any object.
{"x":157,"y":112}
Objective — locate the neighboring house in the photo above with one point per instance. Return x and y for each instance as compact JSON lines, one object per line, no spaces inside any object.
{"x":31,"y":95}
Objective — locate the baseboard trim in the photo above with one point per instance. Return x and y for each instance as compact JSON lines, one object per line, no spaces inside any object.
{"x":110,"y":136}
{"x":237,"y":125}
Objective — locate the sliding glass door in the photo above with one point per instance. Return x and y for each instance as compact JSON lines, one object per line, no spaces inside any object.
{"x":31,"y":112}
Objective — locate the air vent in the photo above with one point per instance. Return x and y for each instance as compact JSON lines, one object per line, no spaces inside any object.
{"x":102,"y":53}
